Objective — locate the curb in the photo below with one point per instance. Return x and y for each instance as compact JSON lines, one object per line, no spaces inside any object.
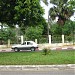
{"x":6,"y":50}
{"x":36,"y":67}
{"x":63,"y":48}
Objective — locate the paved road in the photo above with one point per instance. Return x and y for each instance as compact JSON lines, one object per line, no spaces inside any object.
{"x":52,"y":48}
{"x":54,"y":72}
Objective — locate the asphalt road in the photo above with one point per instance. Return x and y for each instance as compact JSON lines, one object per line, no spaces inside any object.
{"x":52,"y":72}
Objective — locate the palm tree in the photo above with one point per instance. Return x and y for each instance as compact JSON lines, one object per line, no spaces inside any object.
{"x":61,"y":9}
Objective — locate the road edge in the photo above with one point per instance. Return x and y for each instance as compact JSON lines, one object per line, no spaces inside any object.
{"x":36,"y":67}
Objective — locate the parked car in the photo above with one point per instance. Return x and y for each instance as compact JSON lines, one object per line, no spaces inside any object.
{"x":27,"y":45}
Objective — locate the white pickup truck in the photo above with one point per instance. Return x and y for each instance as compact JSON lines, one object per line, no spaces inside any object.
{"x":27,"y":45}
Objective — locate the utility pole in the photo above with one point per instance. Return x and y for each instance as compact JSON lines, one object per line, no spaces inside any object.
{"x":49,"y":36}
{"x":48,"y":27}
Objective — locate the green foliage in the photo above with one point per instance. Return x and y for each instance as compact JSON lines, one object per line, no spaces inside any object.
{"x":69,"y":38}
{"x":63,"y":9}
{"x":56,"y":29}
{"x":7,"y":33}
{"x":72,"y":4}
{"x":46,"y":51}
{"x":43,"y":25}
{"x":21,"y":12}
{"x":56,"y":38}
{"x":33,"y":33}
{"x":7,"y":12}
{"x":43,"y":39}
{"x":29,"y":12}
{"x":67,"y":29}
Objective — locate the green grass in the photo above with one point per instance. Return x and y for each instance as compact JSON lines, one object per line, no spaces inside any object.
{"x":37,"y":58}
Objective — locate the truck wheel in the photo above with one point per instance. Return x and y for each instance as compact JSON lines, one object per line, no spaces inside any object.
{"x":32,"y":49}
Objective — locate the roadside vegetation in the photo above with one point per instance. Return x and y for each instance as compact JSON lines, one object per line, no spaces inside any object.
{"x":25,"y":17}
{"x":37,"y":58}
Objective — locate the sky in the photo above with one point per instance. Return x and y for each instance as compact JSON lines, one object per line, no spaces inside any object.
{"x":47,"y":8}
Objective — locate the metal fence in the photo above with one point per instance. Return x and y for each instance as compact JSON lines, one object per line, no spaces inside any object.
{"x":56,"y":38}
{"x":43,"y":39}
{"x":40,"y":40}
{"x":69,"y":38}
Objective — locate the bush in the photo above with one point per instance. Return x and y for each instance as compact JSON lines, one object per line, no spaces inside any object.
{"x":34,"y":32}
{"x":46,"y":51}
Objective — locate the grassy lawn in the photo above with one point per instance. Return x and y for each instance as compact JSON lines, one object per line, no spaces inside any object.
{"x":37,"y":58}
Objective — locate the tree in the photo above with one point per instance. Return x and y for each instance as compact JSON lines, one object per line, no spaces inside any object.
{"x":7,"y":12}
{"x":33,"y":33}
{"x":72,"y":4}
{"x":25,"y":13}
{"x":56,"y":29}
{"x":21,"y":12}
{"x":5,"y":34}
{"x":67,"y":29}
{"x":29,"y":12}
{"x":63,"y":9}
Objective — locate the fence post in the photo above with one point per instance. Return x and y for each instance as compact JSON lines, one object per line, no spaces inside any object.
{"x":49,"y":39}
{"x":21,"y":39}
{"x":35,"y":40}
{"x":8,"y":42}
{"x":62,"y":39}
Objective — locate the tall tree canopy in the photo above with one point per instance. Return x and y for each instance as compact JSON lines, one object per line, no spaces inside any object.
{"x":7,"y":11}
{"x":63,"y":9}
{"x":21,"y":12}
{"x":29,"y":12}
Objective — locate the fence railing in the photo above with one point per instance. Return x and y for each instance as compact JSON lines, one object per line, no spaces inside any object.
{"x":46,"y":39}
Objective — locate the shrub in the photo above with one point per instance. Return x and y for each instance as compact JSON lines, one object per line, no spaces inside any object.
{"x":34,"y":32}
{"x":46,"y":51}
